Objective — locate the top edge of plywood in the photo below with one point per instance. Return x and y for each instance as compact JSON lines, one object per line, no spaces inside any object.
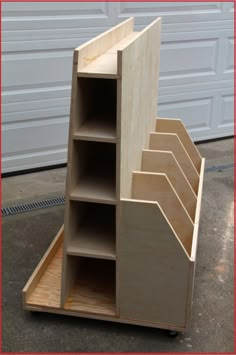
{"x":98,"y":57}
{"x":105,"y":66}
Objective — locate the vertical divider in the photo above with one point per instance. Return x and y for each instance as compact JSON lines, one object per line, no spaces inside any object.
{"x":65,"y":283}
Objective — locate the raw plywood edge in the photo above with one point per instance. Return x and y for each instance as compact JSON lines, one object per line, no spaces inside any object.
{"x":200,"y":188}
{"x":65,"y":312}
{"x":42,"y":266}
{"x":167,"y":125}
{"x":91,"y":50}
{"x":194,"y":247}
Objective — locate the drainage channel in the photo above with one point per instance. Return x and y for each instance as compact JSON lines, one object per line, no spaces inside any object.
{"x":31,"y":206}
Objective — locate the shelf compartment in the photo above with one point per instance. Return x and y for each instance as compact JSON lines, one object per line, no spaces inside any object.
{"x":94,"y":287}
{"x":92,"y":230}
{"x":96,"y":119}
{"x":93,"y":172}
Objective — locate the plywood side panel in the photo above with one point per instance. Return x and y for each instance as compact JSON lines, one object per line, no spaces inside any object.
{"x":171,"y":142}
{"x":154,"y":269}
{"x":74,"y":109}
{"x":176,"y":126}
{"x":157,"y":187}
{"x":42,"y":266}
{"x":158,"y":161}
{"x":91,"y":50}
{"x":138,"y":65}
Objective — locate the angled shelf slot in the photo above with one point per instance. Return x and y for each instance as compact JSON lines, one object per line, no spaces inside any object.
{"x":158,"y":161}
{"x":92,"y":230}
{"x":171,"y":142}
{"x":157,"y":187}
{"x":176,"y":126}
{"x":93,"y":286}
{"x":96,"y":118}
{"x":93,"y":172}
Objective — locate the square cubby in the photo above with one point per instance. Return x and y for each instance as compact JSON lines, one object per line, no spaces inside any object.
{"x":92,"y":286}
{"x":93,"y":172}
{"x":91,"y":230}
{"x":96,"y":111}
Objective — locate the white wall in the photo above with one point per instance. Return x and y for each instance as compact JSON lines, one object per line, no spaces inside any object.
{"x":196,"y":82}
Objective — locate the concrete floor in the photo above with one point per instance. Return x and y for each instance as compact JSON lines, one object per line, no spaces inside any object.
{"x":27,"y":236}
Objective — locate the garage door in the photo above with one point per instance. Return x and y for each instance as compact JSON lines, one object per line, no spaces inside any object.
{"x":196,"y":74}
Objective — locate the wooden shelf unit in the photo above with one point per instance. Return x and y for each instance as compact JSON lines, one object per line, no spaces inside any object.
{"x":133,"y":194}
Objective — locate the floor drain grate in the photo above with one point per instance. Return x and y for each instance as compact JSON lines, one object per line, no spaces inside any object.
{"x":28,"y":207}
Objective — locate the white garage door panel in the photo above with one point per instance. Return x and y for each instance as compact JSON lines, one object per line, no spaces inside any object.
{"x":43,"y":138}
{"x":196,"y":72}
{"x":227,"y":111}
{"x":207,"y":114}
{"x":176,"y":12}
{"x":32,"y":69}
{"x":195,"y":61}
{"x":38,"y":16}
{"x":23,"y":111}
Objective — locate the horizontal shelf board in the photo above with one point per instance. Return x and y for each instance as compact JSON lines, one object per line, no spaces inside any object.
{"x":105,"y":66}
{"x":100,"y":129}
{"x":95,"y":189}
{"x":93,"y":241}
{"x":94,"y":290}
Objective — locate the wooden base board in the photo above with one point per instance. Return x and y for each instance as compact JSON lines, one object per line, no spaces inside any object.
{"x":43,"y":290}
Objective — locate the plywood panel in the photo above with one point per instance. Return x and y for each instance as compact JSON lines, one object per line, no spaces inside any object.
{"x":158,"y":161}
{"x":91,"y":50}
{"x":176,"y":126}
{"x":153,"y":275}
{"x":171,"y":142}
{"x":138,"y":65}
{"x":49,"y":258}
{"x":157,"y":187}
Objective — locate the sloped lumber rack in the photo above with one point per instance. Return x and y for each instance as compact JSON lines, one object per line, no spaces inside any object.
{"x":127,"y":250}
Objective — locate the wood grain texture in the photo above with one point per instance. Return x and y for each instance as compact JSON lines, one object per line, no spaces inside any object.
{"x":70,"y":180}
{"x":94,"y":289}
{"x":90,"y":51}
{"x":46,"y":296}
{"x":171,"y":142}
{"x":153,"y":275}
{"x":43,"y":266}
{"x":158,"y":161}
{"x":105,"y":66}
{"x":157,"y":187}
{"x":47,"y":290}
{"x":138,"y":65}
{"x":97,"y":129}
{"x":167,"y":125}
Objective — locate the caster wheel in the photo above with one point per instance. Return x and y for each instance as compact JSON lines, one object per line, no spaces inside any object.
{"x":172,"y":333}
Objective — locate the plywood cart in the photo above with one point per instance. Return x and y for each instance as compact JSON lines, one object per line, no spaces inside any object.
{"x":127,"y":250}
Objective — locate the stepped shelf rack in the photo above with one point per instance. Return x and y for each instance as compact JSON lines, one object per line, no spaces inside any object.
{"x":127,"y":249}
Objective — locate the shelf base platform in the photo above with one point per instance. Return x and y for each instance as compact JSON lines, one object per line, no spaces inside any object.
{"x":43,"y":291}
